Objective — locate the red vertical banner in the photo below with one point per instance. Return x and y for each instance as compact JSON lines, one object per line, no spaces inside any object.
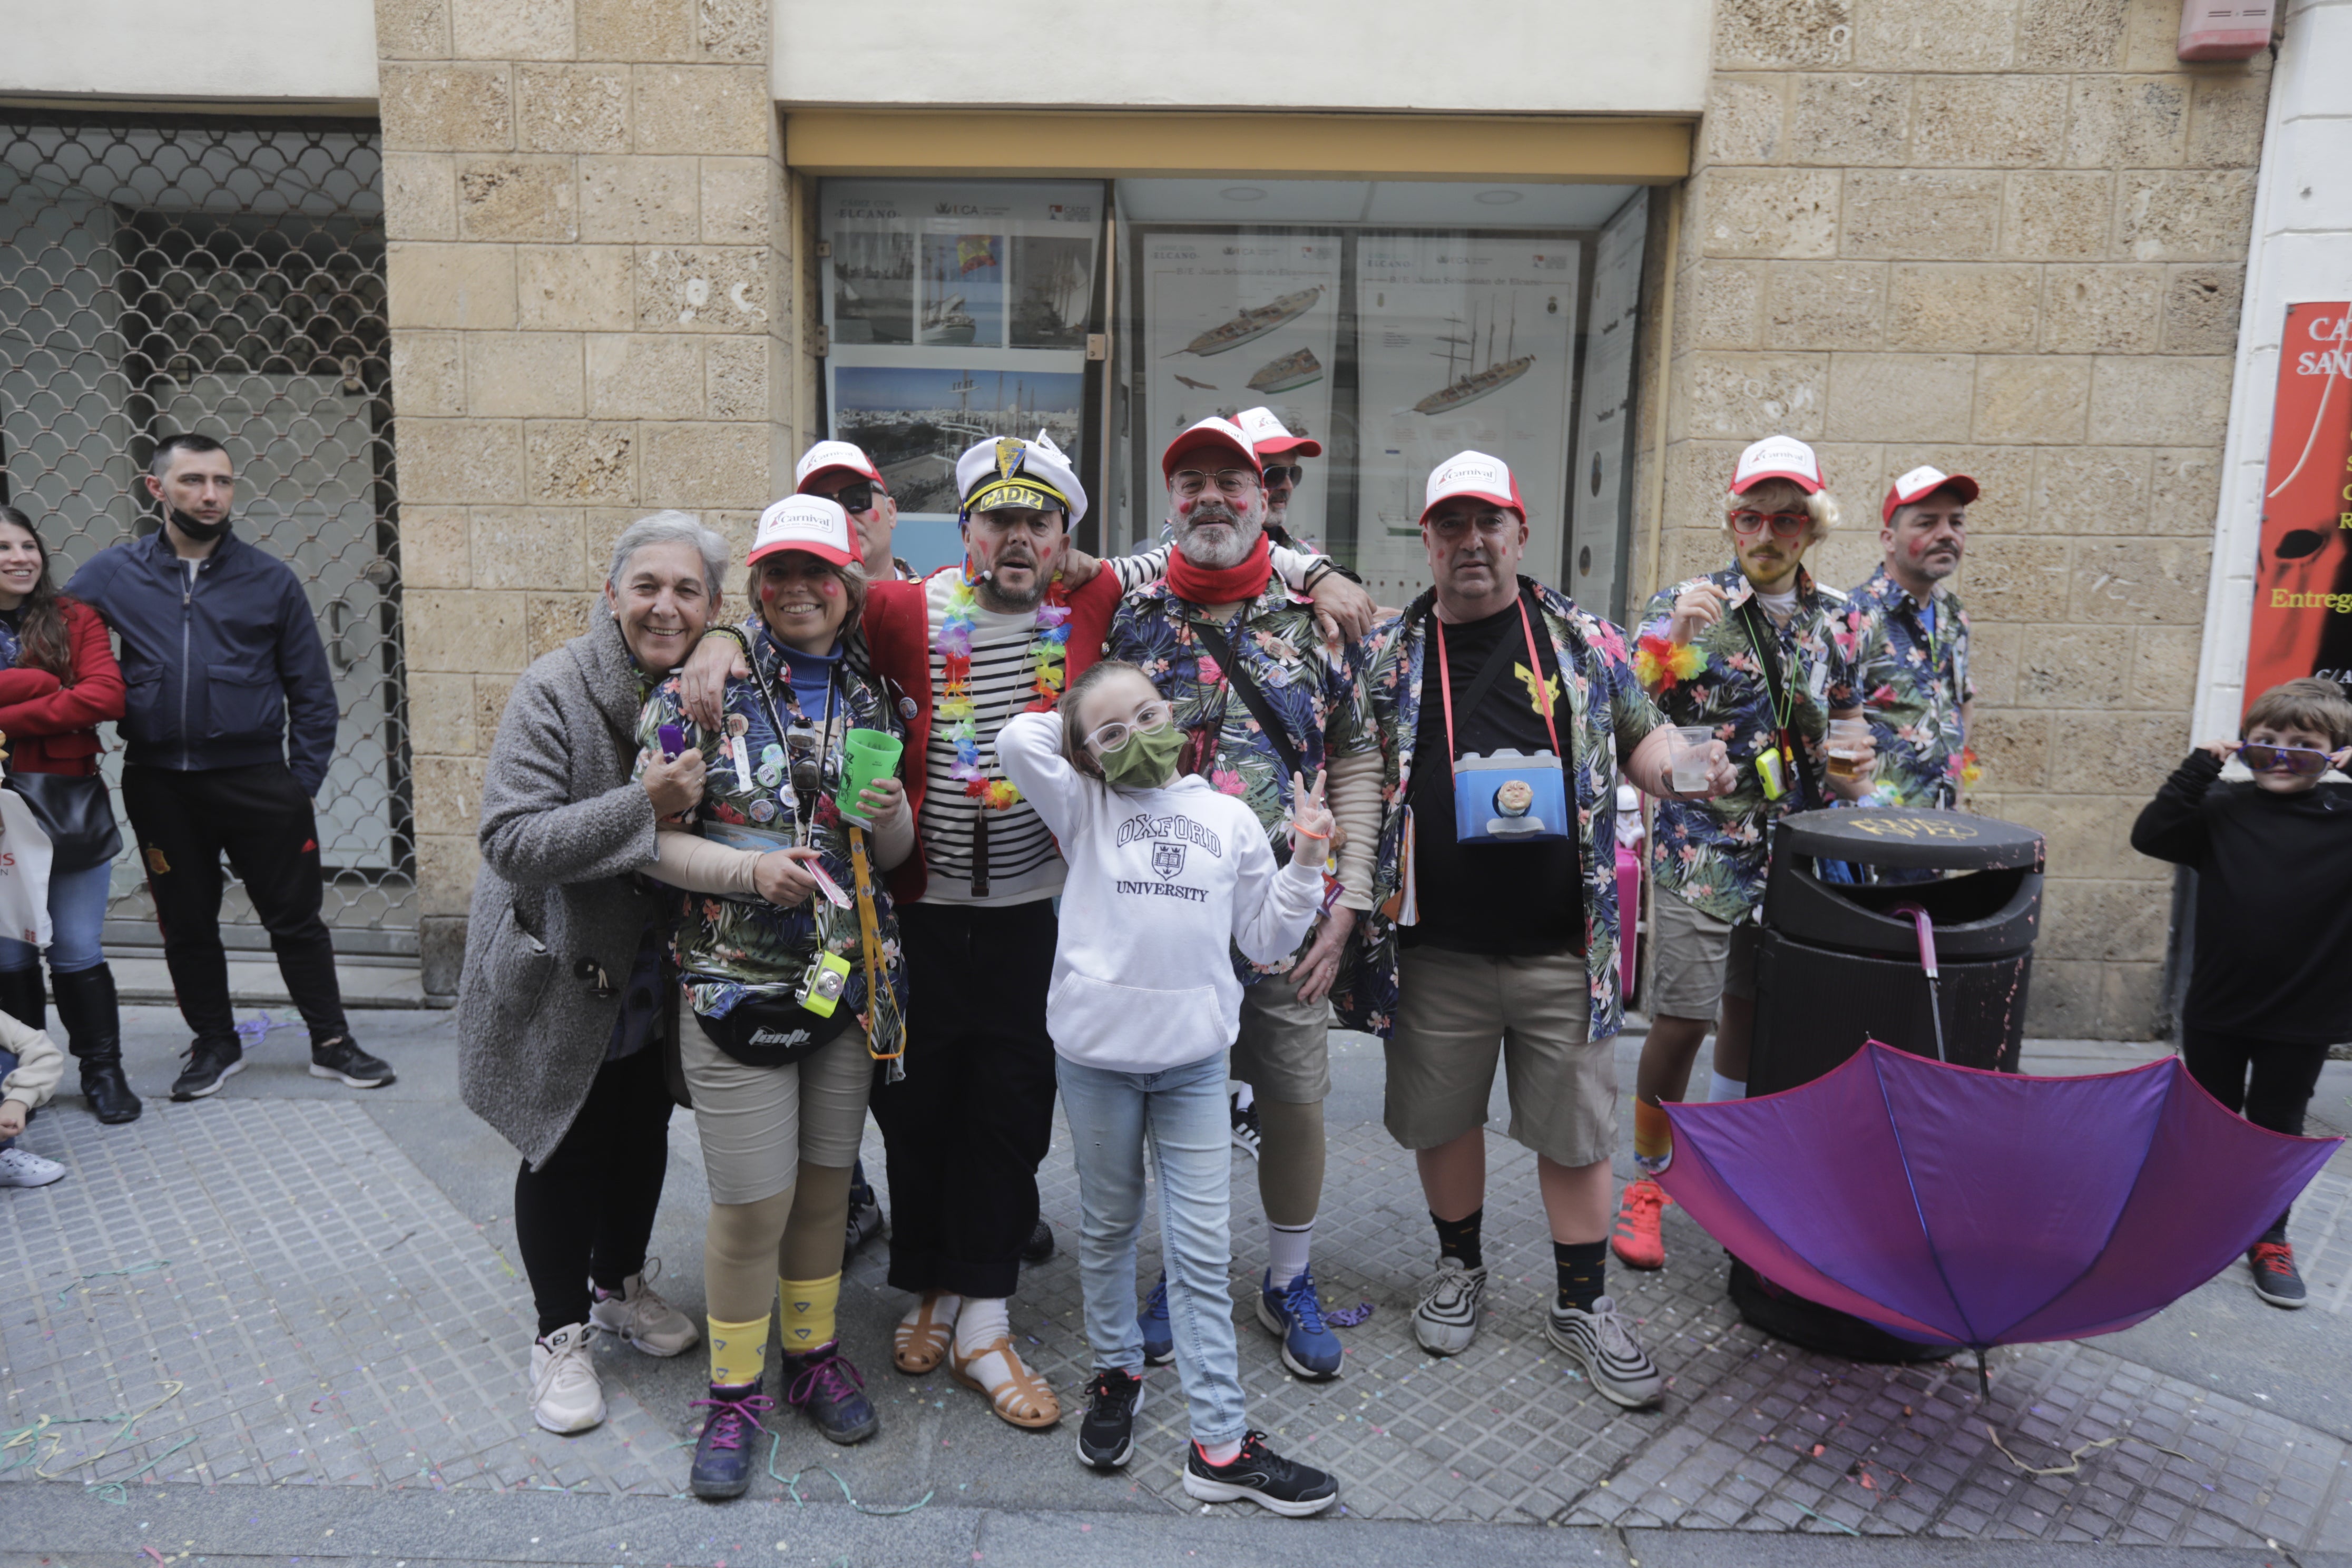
{"x":2303,"y":579}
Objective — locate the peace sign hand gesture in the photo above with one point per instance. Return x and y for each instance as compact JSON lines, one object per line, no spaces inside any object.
{"x":1311,"y":820}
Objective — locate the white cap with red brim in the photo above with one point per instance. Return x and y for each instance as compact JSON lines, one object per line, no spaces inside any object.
{"x":827,"y":455}
{"x":1269,"y":437}
{"x":813,"y":524}
{"x":1223,"y":435}
{"x":1477,"y":477}
{"x":1778,"y":457}
{"x":1922,"y":482}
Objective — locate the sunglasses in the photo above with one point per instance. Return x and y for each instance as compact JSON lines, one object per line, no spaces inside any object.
{"x":1150,"y":718}
{"x":2282,"y":758}
{"x":858,"y":497}
{"x":1784,"y":524}
{"x":1284,"y":473}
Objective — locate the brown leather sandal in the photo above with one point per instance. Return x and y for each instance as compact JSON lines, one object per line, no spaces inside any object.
{"x":919,"y":1346}
{"x":1025,"y":1399}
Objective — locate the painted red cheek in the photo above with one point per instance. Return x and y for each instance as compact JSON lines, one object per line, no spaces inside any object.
{"x":767,"y":592}
{"x":831,"y":589}
{"x":1183,"y":507}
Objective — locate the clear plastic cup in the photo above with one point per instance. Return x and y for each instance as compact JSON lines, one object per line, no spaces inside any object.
{"x":1848,"y":748}
{"x":1693,"y":749}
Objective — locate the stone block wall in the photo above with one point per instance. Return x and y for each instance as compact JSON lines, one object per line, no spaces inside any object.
{"x":590,"y":300}
{"x":2007,"y":237}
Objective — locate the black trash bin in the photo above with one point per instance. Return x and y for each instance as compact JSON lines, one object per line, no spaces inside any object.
{"x":1835,"y":968}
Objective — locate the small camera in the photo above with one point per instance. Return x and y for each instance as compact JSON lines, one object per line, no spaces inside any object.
{"x":821,"y":987}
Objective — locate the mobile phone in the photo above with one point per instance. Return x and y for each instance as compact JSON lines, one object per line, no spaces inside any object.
{"x":672,"y":743}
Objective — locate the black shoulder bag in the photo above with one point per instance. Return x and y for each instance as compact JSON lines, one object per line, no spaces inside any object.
{"x":77,"y":813}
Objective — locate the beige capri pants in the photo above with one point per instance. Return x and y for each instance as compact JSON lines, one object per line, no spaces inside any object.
{"x":757,"y":1125}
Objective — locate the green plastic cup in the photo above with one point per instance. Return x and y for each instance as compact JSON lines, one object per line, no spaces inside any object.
{"x":870,"y":755}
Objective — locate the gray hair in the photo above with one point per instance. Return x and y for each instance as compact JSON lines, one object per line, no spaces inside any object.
{"x":672,"y":528}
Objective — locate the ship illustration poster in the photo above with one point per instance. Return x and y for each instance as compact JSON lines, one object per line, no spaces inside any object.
{"x":1253,"y":323}
{"x":1295,"y":369}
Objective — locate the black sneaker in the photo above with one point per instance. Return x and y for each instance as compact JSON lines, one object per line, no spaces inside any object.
{"x":865,"y":1211}
{"x":211,"y":1063}
{"x":2276,"y":1279}
{"x":826,"y":1388}
{"x":1261,"y":1475}
{"x":341,"y":1057}
{"x":1040,"y":1245}
{"x":1106,"y":1435}
{"x":1246,"y":1133}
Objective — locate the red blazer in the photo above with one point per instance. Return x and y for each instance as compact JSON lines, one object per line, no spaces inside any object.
{"x":52,"y":728}
{"x":897,"y":627}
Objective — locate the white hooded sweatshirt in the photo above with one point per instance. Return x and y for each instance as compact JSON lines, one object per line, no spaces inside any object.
{"x":1162,"y":882}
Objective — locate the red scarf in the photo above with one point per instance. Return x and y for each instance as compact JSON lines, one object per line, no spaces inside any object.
{"x":1221,"y":584}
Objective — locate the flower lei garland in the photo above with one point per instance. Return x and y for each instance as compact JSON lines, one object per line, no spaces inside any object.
{"x":1047,"y":650}
{"x":1660,"y":666}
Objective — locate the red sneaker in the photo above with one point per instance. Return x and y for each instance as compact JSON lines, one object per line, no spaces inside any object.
{"x":1638,"y":1243}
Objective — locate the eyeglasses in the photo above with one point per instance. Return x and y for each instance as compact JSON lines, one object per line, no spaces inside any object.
{"x":1784,"y":524}
{"x":2282,"y":759}
{"x":1190,"y":482}
{"x":1284,"y":473}
{"x":1151,"y":718}
{"x":857,"y":498}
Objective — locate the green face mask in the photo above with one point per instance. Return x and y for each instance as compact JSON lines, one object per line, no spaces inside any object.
{"x":1147,"y":761}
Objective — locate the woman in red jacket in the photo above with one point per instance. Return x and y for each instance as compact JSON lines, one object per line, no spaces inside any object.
{"x":59,"y":682}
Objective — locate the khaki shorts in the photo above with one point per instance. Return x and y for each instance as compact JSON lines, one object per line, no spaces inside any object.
{"x":1696,"y":961}
{"x":1283,"y":1050}
{"x":1457,"y":1012}
{"x":760,"y":1125}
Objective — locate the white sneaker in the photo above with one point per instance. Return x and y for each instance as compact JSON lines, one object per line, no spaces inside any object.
{"x":23,"y":1168}
{"x":1446,"y":1319}
{"x":565,"y":1395}
{"x":639,"y":1315}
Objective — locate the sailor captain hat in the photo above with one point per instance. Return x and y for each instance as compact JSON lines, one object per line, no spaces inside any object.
{"x":1007,"y":472}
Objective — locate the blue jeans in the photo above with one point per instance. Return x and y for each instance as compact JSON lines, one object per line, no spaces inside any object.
{"x":76,"y":913}
{"x":7,"y":1066}
{"x":1189,"y":1137}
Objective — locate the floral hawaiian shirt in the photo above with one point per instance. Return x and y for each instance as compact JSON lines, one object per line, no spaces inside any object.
{"x":1912,"y":681}
{"x":1317,"y":694}
{"x":1711,"y":853}
{"x":730,"y":950}
{"x":1607,"y":715}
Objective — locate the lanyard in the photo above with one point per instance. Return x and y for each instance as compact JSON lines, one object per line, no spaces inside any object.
{"x":803,"y":822}
{"x":1780,"y":695}
{"x":1445,"y":681}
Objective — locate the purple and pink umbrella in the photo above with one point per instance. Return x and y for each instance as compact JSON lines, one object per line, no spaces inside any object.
{"x":1958,"y":1207}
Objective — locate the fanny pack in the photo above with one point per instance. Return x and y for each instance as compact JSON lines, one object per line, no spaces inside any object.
{"x":773,"y":1031}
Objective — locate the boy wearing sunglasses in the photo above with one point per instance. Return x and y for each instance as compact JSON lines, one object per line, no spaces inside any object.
{"x":1762,"y":656}
{"x":2273,"y":852}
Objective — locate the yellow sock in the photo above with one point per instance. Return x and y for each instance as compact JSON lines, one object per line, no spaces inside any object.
{"x":738,"y":1351}
{"x":808,"y":1311}
{"x":1653,"y":1137}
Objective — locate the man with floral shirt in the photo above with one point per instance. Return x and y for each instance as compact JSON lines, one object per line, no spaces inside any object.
{"x":1505,"y":713}
{"x":1262,"y":699}
{"x":1762,"y":656}
{"x":1911,"y":642}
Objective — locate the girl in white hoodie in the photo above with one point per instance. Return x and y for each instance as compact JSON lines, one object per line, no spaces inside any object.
{"x":1165,"y":876}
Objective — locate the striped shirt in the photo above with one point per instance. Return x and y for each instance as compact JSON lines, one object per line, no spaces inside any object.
{"x":1023,"y":863}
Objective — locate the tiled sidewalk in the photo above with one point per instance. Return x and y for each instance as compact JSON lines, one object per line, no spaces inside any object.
{"x":336,"y":1320}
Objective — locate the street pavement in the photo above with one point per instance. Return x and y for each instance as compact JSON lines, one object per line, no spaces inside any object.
{"x":288,"y":1324}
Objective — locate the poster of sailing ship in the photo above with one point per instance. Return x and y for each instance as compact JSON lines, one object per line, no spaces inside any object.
{"x":962,"y":296}
{"x":874,"y":287}
{"x":1233,"y":322}
{"x":913,"y":420}
{"x":1461,"y":342}
{"x":1053,"y":290}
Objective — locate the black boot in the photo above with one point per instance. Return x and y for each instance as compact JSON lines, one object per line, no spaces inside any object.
{"x":20,"y":997}
{"x":92,"y":1020}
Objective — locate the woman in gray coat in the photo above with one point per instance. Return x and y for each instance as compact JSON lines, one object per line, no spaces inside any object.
{"x":559,"y":1009}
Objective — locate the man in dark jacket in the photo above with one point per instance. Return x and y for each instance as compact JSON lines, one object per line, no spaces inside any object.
{"x":218,"y":643}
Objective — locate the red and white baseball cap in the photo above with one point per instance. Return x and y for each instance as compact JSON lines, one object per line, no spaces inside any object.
{"x":827,"y":455}
{"x":1271,"y":437}
{"x":1211,"y":432}
{"x":1922,"y":482}
{"x":1478,"y":476}
{"x":813,"y":524}
{"x":1778,"y":457}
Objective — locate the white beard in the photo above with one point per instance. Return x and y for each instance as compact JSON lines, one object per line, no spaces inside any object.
{"x":1230,"y":549}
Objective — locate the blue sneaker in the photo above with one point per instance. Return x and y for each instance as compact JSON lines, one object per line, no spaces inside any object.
{"x":1159,"y":1334}
{"x":1309,"y":1348}
{"x":724,"y":1454}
